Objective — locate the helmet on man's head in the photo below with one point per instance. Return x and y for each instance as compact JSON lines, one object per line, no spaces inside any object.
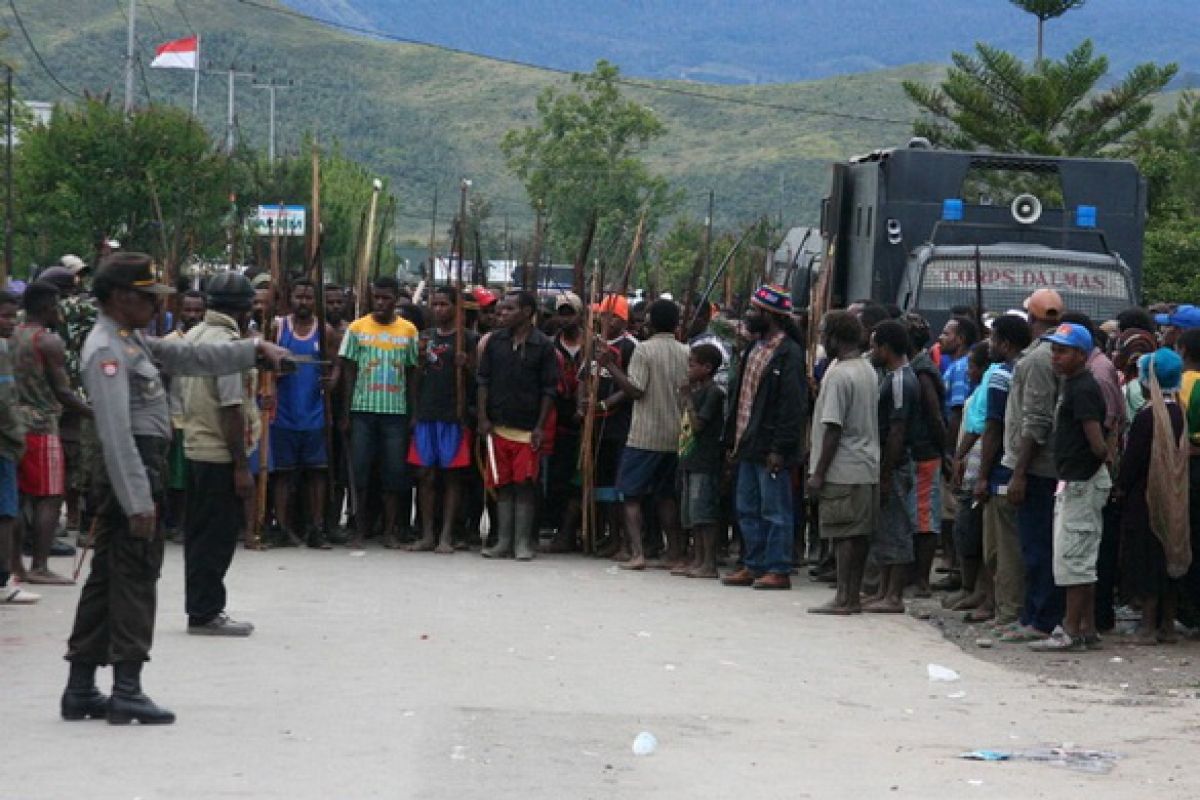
{"x":229,"y":291}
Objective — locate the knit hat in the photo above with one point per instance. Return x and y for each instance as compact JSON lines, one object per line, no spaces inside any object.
{"x":1168,"y":366}
{"x":569,"y":299}
{"x":1132,"y":344}
{"x":484,"y":297}
{"x":614,"y":304}
{"x":773,"y":298}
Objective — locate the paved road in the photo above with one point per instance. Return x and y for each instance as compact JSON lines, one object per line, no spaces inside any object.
{"x":421,"y":676}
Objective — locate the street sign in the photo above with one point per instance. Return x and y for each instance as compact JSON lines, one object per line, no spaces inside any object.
{"x":278,"y":220}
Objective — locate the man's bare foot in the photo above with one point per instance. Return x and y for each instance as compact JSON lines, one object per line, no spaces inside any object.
{"x":444,"y":548}
{"x":884,"y":606}
{"x":422,"y":545}
{"x":981,"y":614}
{"x":638,"y":563}
{"x":621,"y":556}
{"x":834,"y":608}
{"x":969,"y":603}
{"x":47,"y":578}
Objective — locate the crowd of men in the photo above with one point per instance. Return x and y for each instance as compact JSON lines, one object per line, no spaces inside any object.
{"x":1043,"y":454}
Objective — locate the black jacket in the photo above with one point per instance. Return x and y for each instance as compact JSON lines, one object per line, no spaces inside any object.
{"x":779,"y":409}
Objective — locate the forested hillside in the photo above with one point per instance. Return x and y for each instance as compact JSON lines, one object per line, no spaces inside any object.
{"x":771,"y":40}
{"x":426,"y":117}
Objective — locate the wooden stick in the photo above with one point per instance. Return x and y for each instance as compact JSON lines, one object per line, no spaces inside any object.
{"x":363,"y":278}
{"x":266,"y":389}
{"x":721,"y":269}
{"x":587,"y":456}
{"x":316,"y":270}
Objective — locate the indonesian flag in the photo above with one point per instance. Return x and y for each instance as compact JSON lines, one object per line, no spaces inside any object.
{"x":179,"y":54}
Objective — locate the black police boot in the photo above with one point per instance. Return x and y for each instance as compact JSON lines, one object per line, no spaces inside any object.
{"x":81,"y":699}
{"x":128,"y":703}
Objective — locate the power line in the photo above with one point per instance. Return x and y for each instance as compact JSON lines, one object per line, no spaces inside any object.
{"x":24,"y":32}
{"x":154,"y":19}
{"x":666,"y":89}
{"x":186,"y":21}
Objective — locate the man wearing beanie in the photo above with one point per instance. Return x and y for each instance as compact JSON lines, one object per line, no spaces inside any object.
{"x":762,"y":433}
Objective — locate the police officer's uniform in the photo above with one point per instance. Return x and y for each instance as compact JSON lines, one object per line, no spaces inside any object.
{"x":114,"y":622}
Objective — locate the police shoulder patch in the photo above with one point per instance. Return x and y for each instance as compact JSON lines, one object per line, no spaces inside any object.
{"x":109,"y":367}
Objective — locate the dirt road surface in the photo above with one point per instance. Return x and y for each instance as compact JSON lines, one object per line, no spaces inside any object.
{"x":419,"y":676}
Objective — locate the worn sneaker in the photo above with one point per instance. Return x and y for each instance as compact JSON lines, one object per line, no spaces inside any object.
{"x":15,"y":595}
{"x":1058,"y":642}
{"x":221,"y":625}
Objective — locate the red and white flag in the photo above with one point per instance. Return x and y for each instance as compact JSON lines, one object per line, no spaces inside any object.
{"x":179,"y":54}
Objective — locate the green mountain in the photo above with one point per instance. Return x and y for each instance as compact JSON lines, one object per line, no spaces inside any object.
{"x":427,"y":117}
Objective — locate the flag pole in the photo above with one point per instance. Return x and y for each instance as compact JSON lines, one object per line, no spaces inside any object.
{"x":196,"y":80}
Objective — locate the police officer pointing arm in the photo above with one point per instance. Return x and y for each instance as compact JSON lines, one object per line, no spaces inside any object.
{"x":114,"y":622}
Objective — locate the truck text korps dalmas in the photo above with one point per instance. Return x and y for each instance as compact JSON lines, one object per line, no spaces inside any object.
{"x":931,"y":229}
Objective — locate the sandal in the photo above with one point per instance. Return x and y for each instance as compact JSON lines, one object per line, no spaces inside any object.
{"x":1023,"y":635}
{"x":1058,"y":642}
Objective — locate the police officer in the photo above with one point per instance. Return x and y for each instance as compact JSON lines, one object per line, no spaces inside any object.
{"x":114,"y":623}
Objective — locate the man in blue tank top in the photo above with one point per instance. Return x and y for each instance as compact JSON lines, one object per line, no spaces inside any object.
{"x":298,"y":449}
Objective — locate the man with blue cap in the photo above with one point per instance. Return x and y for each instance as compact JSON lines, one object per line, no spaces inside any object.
{"x":1184,"y":317}
{"x":1080,"y":454}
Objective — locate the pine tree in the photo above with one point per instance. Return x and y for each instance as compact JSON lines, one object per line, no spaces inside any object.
{"x":1044,"y":10}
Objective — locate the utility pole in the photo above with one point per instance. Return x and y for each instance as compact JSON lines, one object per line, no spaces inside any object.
{"x":708,"y":226}
{"x":130,"y":54}
{"x":462,"y":228}
{"x":230,"y":130}
{"x":271,"y":87}
{"x":781,"y":201}
{"x":431,"y":275}
{"x":532,"y":280}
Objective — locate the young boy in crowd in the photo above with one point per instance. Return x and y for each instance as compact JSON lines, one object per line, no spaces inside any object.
{"x":899,"y":416}
{"x":1080,"y":453}
{"x":441,"y":441}
{"x":700,"y":459}
{"x":12,"y":446}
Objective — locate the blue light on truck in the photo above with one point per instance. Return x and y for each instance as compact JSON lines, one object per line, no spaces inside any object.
{"x":1085,"y":216}
{"x":952,"y":210}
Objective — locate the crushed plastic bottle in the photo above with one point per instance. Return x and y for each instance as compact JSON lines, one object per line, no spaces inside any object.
{"x":644,"y":744}
{"x":939,"y":673}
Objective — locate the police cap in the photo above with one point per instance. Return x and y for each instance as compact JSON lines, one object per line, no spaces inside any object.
{"x":128,"y":270}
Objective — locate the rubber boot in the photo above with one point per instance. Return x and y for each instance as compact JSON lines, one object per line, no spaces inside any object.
{"x":524,"y":525}
{"x":128,"y":703}
{"x":504,"y":530}
{"x":81,"y":699}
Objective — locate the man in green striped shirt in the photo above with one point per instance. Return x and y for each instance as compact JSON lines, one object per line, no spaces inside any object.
{"x":377,"y":360}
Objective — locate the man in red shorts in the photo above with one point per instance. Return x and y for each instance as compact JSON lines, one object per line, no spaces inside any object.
{"x":440,"y":444}
{"x":43,"y":391}
{"x":518,"y":380}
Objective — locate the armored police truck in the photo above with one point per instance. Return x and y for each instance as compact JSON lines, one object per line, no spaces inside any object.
{"x":932,"y":229}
